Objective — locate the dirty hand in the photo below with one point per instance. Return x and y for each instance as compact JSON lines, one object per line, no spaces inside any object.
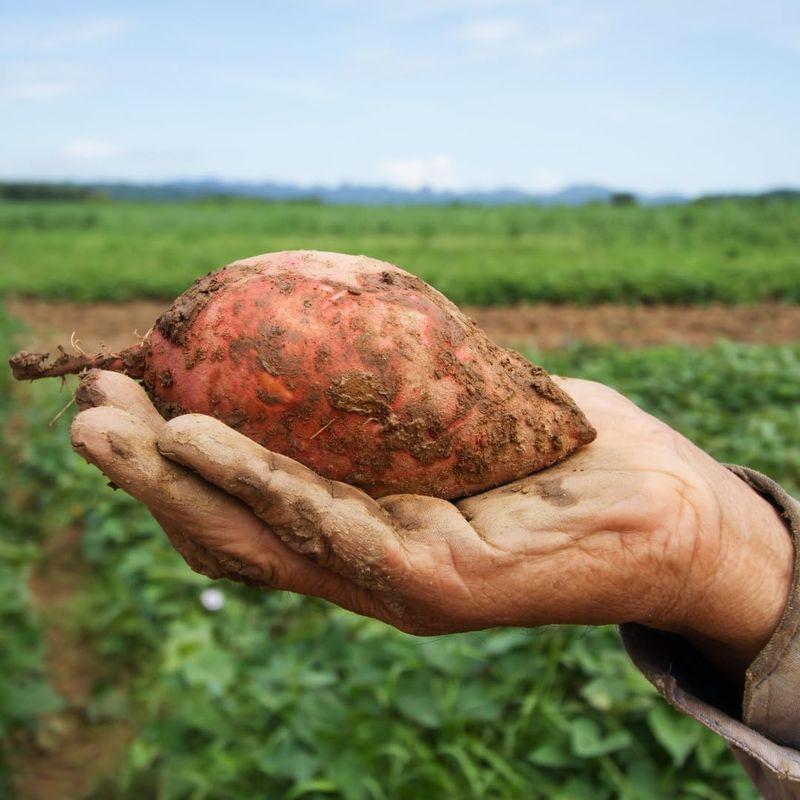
{"x":640,"y":526}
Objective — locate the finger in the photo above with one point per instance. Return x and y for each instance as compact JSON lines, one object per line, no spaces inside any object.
{"x":104,"y":388}
{"x":222,"y":536}
{"x":93,"y":433}
{"x":336,"y":524}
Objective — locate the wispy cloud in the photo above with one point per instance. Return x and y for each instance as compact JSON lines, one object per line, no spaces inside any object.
{"x":91,"y":30}
{"x":42,"y":89}
{"x":478,"y":43}
{"x":512,"y":37}
{"x":34,"y":82}
{"x":545,"y":180}
{"x":557,"y":43}
{"x":421,"y":9}
{"x":314,"y":89}
{"x":91,"y":150}
{"x":490,"y":31}
{"x":417,"y":9}
{"x":434,"y":172}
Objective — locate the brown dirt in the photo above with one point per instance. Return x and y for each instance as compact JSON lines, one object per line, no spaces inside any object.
{"x":552,"y":327}
{"x":68,"y":756}
{"x":177,"y":321}
{"x":547,"y":326}
{"x":117,"y":325}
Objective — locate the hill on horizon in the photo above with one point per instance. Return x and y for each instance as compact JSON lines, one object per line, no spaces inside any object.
{"x":356,"y":194}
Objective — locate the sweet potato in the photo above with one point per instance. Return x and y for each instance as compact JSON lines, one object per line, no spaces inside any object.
{"x":353,"y":367}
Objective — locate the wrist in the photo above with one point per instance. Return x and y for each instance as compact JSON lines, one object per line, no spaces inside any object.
{"x":740,"y":572}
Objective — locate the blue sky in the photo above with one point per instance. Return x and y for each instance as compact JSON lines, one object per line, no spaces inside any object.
{"x":652,"y":95}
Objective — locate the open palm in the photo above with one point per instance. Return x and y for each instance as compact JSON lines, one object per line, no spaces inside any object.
{"x":601,"y":537}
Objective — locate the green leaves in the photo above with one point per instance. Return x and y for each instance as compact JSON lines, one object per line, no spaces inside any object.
{"x":210,"y":667}
{"x":280,"y":696}
{"x":551,"y":753}
{"x":589,"y":741}
{"x":677,"y":734}
{"x":739,"y":402}
{"x":728,"y":251}
{"x":415,"y":699}
{"x":21,"y":702}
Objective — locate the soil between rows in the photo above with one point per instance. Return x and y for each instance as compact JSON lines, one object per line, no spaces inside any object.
{"x":69,"y":756}
{"x":541,"y":325}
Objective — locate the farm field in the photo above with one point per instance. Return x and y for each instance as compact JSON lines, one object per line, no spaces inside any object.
{"x":736,"y":251}
{"x":110,"y":658}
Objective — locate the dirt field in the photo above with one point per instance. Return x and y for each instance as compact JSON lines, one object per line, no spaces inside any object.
{"x":70,"y":755}
{"x":545,"y":326}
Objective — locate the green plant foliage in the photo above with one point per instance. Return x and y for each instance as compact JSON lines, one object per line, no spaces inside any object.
{"x":24,"y":691}
{"x":736,"y":401}
{"x":734,"y":251}
{"x":280,"y":696}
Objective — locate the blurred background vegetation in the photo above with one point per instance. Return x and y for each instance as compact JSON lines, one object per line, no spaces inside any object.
{"x":736,"y":250}
{"x":116,"y":681}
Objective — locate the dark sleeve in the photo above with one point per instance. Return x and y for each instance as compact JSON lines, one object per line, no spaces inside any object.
{"x":763,"y":725}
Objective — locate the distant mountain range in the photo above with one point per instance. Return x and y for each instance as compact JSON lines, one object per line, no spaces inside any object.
{"x":356,"y":194}
{"x":359,"y":194}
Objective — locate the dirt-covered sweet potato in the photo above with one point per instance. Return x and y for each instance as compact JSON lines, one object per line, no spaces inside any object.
{"x":353,"y":367}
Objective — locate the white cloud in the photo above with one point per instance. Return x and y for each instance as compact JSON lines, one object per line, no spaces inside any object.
{"x":40,"y":89}
{"x":80,"y":32}
{"x":411,"y":10}
{"x":510,"y":37}
{"x":548,"y":45}
{"x":86,"y":32}
{"x":490,"y":31}
{"x":434,"y":172}
{"x":375,"y":54}
{"x":32,"y":81}
{"x":545,"y":180}
{"x":316,"y":90}
{"x":91,"y":150}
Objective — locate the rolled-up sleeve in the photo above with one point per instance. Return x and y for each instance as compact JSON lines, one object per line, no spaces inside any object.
{"x":763,"y":725}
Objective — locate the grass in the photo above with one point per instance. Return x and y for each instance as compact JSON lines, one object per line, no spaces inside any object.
{"x":280,"y":696}
{"x":735,"y":251}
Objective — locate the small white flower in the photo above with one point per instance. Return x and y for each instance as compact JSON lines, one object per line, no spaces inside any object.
{"x":212,"y":599}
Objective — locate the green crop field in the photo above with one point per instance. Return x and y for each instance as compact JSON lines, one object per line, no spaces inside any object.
{"x":734,"y":251}
{"x":279,"y":696}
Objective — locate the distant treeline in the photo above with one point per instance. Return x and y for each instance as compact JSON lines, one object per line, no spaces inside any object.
{"x":773,"y":196}
{"x":71,"y":192}
{"x":220,"y":192}
{"x":49,"y":191}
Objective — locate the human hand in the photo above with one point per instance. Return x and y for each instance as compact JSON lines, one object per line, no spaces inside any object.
{"x":640,"y":526}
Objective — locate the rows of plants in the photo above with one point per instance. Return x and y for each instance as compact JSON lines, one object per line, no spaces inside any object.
{"x":733,"y":251}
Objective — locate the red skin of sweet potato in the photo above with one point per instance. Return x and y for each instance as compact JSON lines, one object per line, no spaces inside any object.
{"x":358,"y":370}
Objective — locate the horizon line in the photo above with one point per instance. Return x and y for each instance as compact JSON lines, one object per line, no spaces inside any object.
{"x":395,"y":188}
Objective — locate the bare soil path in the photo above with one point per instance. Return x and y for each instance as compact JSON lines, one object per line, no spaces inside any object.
{"x":542,"y":325}
{"x":69,"y":756}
